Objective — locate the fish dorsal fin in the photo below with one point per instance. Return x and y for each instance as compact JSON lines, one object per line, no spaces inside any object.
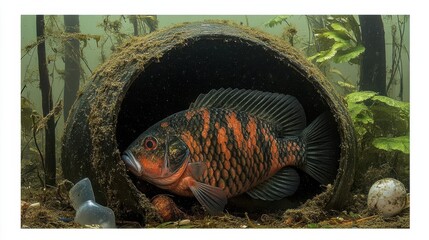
{"x":284,"y":110}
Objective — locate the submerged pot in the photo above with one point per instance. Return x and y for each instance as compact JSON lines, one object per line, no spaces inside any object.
{"x":154,"y":76}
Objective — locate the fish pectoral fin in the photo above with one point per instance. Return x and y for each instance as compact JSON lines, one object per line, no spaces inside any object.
{"x":212,"y":198}
{"x":197,"y":169}
{"x":283,"y":184}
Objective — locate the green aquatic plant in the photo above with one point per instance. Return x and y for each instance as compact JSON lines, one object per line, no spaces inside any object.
{"x":339,"y":40}
{"x":27,"y":113}
{"x":115,"y":33}
{"x":401,"y":144}
{"x":382,"y":130}
{"x":276,"y":21}
{"x":345,"y":83}
{"x":289,"y":32}
{"x":143,"y":24}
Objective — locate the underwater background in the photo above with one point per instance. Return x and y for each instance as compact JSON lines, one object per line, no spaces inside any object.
{"x":332,"y":43}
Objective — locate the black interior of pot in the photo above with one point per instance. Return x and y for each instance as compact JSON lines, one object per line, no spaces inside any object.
{"x":169,"y":85}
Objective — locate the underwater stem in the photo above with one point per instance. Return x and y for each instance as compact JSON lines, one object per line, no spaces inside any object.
{"x":50,"y":160}
{"x":38,"y":150}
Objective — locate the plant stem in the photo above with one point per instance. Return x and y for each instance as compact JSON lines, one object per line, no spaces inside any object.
{"x":50,"y":160}
{"x":38,"y":150}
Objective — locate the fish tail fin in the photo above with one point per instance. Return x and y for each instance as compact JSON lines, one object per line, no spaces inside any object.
{"x":321,"y":155}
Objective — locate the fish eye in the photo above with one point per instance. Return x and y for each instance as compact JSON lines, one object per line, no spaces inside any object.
{"x":150,"y":143}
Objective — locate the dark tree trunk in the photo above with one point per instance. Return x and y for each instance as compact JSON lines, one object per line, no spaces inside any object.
{"x":373,"y":64}
{"x":50,"y":161}
{"x":72,"y":63}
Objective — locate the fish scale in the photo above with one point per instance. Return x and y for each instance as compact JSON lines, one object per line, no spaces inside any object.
{"x":255,"y":160}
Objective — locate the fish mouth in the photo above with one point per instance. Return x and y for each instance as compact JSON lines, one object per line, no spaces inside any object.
{"x":131,"y":162}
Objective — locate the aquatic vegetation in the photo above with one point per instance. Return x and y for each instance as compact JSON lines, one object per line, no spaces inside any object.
{"x":27,"y":114}
{"x":289,"y":32}
{"x":277,"y":21}
{"x":382,"y":129}
{"x":58,"y":50}
{"x":378,"y":115}
{"x":143,"y":24}
{"x":339,"y":41}
{"x":115,"y":33}
{"x":389,"y":144}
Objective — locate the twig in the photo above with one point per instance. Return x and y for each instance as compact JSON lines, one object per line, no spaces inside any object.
{"x":55,"y":111}
{"x":38,"y":149}
{"x":251,"y":224}
{"x":40,"y":178}
{"x":397,"y":56}
{"x":401,"y":34}
{"x":359,"y":220}
{"x":22,"y":90}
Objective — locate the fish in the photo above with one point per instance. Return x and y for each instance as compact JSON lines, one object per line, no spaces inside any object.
{"x":235,"y":141}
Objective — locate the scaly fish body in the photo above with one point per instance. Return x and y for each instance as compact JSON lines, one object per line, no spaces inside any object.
{"x":239,"y":150}
{"x":215,"y":150}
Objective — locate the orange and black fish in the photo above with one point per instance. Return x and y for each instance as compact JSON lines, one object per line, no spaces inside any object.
{"x":233,"y":141}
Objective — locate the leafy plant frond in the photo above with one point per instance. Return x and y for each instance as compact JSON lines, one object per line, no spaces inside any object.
{"x":358,"y":97}
{"x":349,"y":55}
{"x":276,"y":21}
{"x":340,"y":41}
{"x":401,"y":144}
{"x":381,"y":126}
{"x":337,"y":36}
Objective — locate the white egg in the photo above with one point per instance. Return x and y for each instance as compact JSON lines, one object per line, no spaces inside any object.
{"x":388,"y":196}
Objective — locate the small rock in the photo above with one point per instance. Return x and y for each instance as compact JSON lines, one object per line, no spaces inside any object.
{"x":166,"y":208}
{"x":182,"y":222}
{"x":34,"y":205}
{"x":24,"y":207}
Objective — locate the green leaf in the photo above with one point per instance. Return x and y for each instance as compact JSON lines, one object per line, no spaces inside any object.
{"x":347,"y":86}
{"x":349,"y":54}
{"x":360,"y":113}
{"x":311,"y":58}
{"x":360,"y":131}
{"x":401,"y":144}
{"x":336,"y":36}
{"x":165,"y":225}
{"x":326,"y":55}
{"x":276,"y":21}
{"x":331,"y":52}
{"x":339,"y":28}
{"x":313,"y":225}
{"x":357,"y":97}
{"x":403,"y":106}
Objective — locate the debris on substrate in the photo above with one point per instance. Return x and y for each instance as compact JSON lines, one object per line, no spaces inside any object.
{"x":51,"y":209}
